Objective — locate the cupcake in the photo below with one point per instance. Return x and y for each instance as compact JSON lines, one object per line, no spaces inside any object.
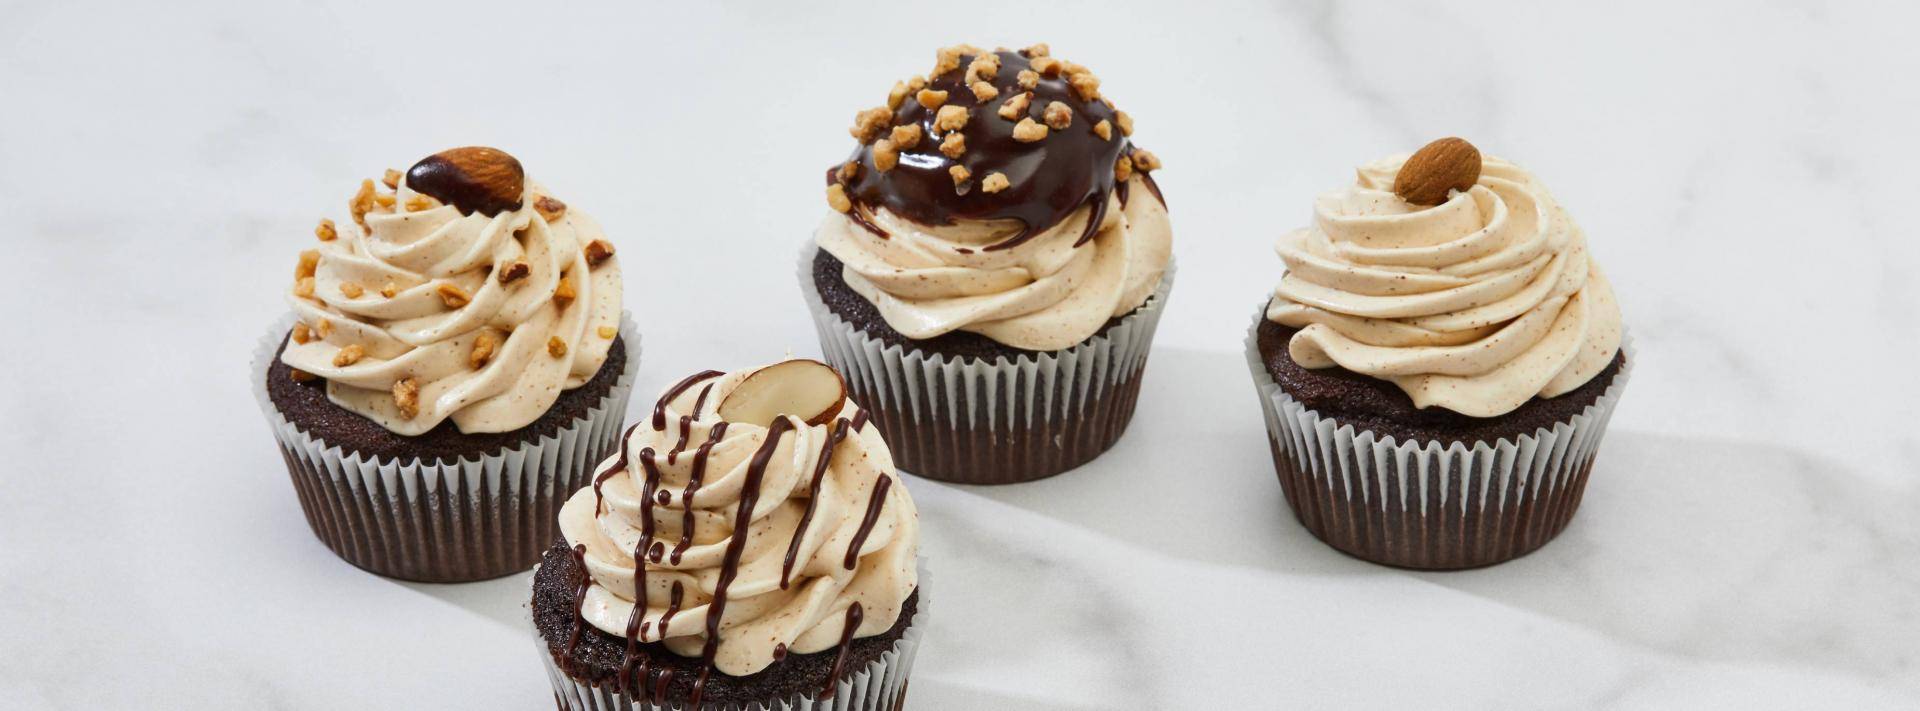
{"x":454,"y":364}
{"x":1438,"y":363}
{"x":994,"y":267}
{"x":749,"y":547}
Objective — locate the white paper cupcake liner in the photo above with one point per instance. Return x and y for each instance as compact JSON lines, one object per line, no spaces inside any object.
{"x":1427,"y":504}
{"x":1000,"y":421}
{"x":480,"y":517}
{"x":880,"y":686}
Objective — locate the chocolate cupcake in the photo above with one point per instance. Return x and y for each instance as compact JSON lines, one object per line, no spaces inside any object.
{"x":994,"y":268}
{"x":455,"y":363}
{"x":749,"y":546}
{"x":1439,"y":363}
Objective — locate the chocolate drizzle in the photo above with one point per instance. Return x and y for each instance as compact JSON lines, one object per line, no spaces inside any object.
{"x":1050,"y":179}
{"x":736,"y":546}
{"x":694,"y":479}
{"x":834,"y":438}
{"x":660,"y":406}
{"x":579,"y":597}
{"x":854,"y":617}
{"x":619,"y":465}
{"x":875,"y":503}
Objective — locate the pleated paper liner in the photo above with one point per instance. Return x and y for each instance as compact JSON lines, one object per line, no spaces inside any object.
{"x":880,"y":686}
{"x":480,"y":517}
{"x":1000,"y":421}
{"x":1425,"y":504}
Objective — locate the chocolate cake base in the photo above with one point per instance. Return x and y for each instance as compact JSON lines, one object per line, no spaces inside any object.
{"x":597,"y":657}
{"x":470,"y":524}
{"x":1404,"y":515}
{"x":1001,"y":446}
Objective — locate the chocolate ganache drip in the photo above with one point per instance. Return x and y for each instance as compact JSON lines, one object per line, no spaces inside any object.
{"x":1000,"y":135}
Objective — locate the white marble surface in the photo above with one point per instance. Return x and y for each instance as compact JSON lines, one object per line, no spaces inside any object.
{"x":1751,"y":538}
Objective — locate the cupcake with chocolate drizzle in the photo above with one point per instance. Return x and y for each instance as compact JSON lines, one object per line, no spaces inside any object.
{"x":1438,"y":363}
{"x":994,"y":266}
{"x":749,"y":546}
{"x":455,"y":349}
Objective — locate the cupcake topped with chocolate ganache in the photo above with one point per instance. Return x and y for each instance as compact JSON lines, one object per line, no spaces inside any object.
{"x":1000,"y":195}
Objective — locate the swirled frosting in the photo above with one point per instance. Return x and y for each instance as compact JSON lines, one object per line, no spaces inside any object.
{"x":827,"y":498}
{"x":1043,"y":294}
{"x":1476,"y":305}
{"x":418,"y":287}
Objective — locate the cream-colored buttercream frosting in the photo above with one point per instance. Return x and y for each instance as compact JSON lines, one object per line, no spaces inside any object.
{"x":1041,"y":295}
{"x":808,"y":613}
{"x":1475,"y":305}
{"x":425,"y":332}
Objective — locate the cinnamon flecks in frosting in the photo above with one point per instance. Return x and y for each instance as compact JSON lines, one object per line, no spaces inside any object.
{"x":487,"y":317}
{"x":732,"y":536}
{"x":993,"y":196}
{"x":1475,"y":304}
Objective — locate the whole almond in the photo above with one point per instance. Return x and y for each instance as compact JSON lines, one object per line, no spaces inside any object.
{"x":474,"y":179}
{"x":1438,"y":167}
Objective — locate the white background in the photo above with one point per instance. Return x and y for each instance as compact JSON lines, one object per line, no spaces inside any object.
{"x":1751,"y":537}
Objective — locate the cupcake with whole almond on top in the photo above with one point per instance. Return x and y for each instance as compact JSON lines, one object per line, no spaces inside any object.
{"x":1439,"y":362}
{"x":455,"y":363}
{"x":994,"y":267}
{"x":749,"y":546}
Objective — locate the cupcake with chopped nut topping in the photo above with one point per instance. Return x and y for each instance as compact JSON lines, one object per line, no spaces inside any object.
{"x":455,"y":361}
{"x":994,"y":266}
{"x":1438,"y":363}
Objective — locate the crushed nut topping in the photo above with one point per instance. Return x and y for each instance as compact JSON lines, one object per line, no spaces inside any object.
{"x":849,"y":170}
{"x":483,"y":347}
{"x":983,"y":91}
{"x":406,"y":397}
{"x":948,"y":59}
{"x":1047,"y":66}
{"x":362,"y":203}
{"x":325,"y":231}
{"x":309,"y":263}
{"x":352,"y":290}
{"x":382,"y":200}
{"x":1125,"y":122}
{"x":916,"y":83}
{"x":323,"y":328}
{"x":563,"y":292}
{"x":550,"y":209}
{"x":950,"y":118}
{"x":390,"y":289}
{"x":302,"y":334}
{"x":1145,"y":160}
{"x":931,"y":98}
{"x":301,"y":376}
{"x":303,"y":287}
{"x":995,"y":182}
{"x":960,"y":174}
{"x":1058,"y":116}
{"x":837,"y":198}
{"x":868,"y":124}
{"x":514,"y":271}
{"x":556,"y":347}
{"x":905,"y":137}
{"x":391,"y":179}
{"x":608,"y":332}
{"x":1014,"y":108}
{"x":451,"y":293}
{"x":1085,"y":85}
{"x":1104,"y":130}
{"x":349,"y":355}
{"x":984,"y":66}
{"x":1037,"y":50}
{"x":897,"y":95}
{"x":1122,"y":169}
{"x":885,"y":156}
{"x":954,"y":145}
{"x":1029,"y":130}
{"x":598,"y":251}
{"x":419,"y":202}
{"x":1028,"y":79}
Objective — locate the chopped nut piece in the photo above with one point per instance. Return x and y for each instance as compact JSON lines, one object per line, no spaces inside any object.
{"x":563,"y":292}
{"x":1029,"y":130}
{"x":1125,"y":122}
{"x":325,"y":231}
{"x":1085,"y":85}
{"x":419,"y":202}
{"x":381,"y":200}
{"x":1037,"y":50}
{"x":946,"y":60}
{"x":985,"y":66}
{"x":483,"y":347}
{"x":960,"y":174}
{"x":598,"y":251}
{"x":309,"y":263}
{"x":885,"y":156}
{"x":303,"y":287}
{"x":983,"y":91}
{"x":1145,"y":160}
{"x":950,"y":118}
{"x":897,"y":95}
{"x":1014,"y":108}
{"x":1123,"y":169}
{"x":406,"y":397}
{"x":454,"y":296}
{"x":906,"y":137}
{"x":352,"y":290}
{"x":995,"y":182}
{"x":550,"y":209}
{"x":954,"y":145}
{"x":301,"y":376}
{"x":391,"y":179}
{"x":390,"y":289}
{"x":1047,"y":66}
{"x":1058,"y":116}
{"x":302,"y":334}
{"x":514,"y":271}
{"x":1104,"y":130}
{"x":916,"y":83}
{"x":556,"y":347}
{"x":349,"y":355}
{"x":1028,"y":79}
{"x":607,"y":332}
{"x":931,"y":98}
{"x":868,"y":124}
{"x":849,"y":170}
{"x":362,"y":203}
{"x":837,"y":199}
{"x":323,"y":328}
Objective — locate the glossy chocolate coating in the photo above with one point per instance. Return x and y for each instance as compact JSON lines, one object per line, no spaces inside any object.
{"x":1050,"y":178}
{"x":473,"y":179}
